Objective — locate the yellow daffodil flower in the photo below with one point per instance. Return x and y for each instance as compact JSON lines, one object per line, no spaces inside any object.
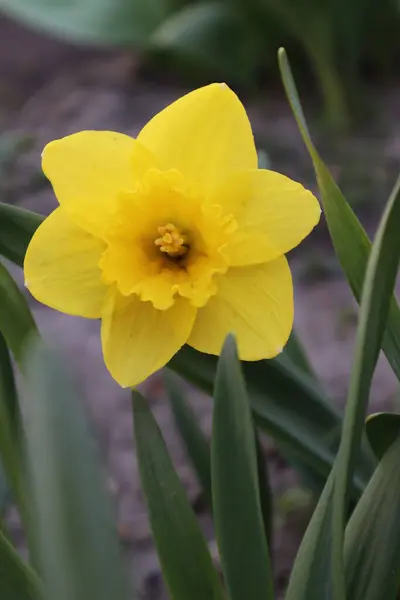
{"x":174,"y":237}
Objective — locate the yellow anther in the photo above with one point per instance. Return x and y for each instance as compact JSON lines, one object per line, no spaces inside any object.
{"x":172,"y":241}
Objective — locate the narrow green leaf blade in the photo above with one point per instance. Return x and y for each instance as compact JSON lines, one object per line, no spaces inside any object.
{"x":276,"y":391}
{"x":378,"y":288}
{"x":372,"y":541}
{"x":349,"y":238}
{"x":196,"y":443}
{"x":185,"y":561}
{"x":11,"y":451}
{"x":17,"y":226}
{"x":310,"y":577}
{"x":17,"y":580}
{"x":238,"y":517}
{"x":75,"y":531}
{"x":16,"y":321}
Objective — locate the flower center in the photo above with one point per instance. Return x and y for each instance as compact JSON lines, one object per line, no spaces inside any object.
{"x":172,"y":241}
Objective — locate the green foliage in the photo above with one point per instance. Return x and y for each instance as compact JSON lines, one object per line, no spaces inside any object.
{"x":183,"y":553}
{"x":238,"y":519}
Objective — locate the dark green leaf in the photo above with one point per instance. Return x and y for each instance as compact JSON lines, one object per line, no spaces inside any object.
{"x":266,"y":498}
{"x":377,"y":293}
{"x":382,"y":431}
{"x":75,"y":531}
{"x":17,"y":580}
{"x":349,"y":238}
{"x":16,"y":321}
{"x":310,"y":577}
{"x":295,"y":352}
{"x":185,"y":561}
{"x":197,"y":446}
{"x":372,"y":541}
{"x":238,"y":517}
{"x":17,"y":226}
{"x":11,"y":451}
{"x":276,"y":392}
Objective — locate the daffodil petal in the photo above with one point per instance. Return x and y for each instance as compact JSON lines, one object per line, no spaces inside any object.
{"x":88,"y":170}
{"x":206,"y":135}
{"x":255,"y":304}
{"x":61,"y":267}
{"x":138,"y":339}
{"x":273,"y":213}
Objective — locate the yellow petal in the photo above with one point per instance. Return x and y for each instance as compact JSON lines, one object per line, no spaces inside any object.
{"x":138,"y":339}
{"x":89,"y":169}
{"x":254,"y":303}
{"x":274,"y":214}
{"x":61,"y":267}
{"x":206,"y":135}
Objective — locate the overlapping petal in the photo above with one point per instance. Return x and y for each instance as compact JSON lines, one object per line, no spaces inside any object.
{"x":138,"y":339}
{"x":89,"y":169}
{"x":206,"y":135}
{"x":254,"y":303}
{"x":274,"y":214}
{"x":61,"y":267}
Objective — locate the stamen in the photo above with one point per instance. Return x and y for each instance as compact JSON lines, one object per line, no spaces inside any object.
{"x":172,"y":241}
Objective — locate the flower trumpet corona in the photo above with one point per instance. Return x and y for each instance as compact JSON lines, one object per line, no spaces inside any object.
{"x":174,"y":237}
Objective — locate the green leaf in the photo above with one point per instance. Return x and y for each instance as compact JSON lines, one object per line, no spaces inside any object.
{"x":17,"y":226}
{"x":11,"y":451}
{"x":266,"y":498}
{"x":382,"y":431}
{"x":372,"y":542}
{"x":276,"y":392}
{"x":92,"y":21}
{"x":75,"y":530}
{"x":380,"y":279}
{"x":238,"y":517}
{"x":295,"y":352}
{"x":185,"y":561}
{"x":349,"y":238}
{"x":17,"y":580}
{"x":310,"y":576}
{"x":213,"y":37}
{"x":16,"y":321}
{"x":197,"y":446}
{"x":312,"y":568}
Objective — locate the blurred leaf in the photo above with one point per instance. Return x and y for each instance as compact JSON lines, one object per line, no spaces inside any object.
{"x":17,"y":580}
{"x":213,"y":36}
{"x":76,"y":535}
{"x":295,"y":352}
{"x":276,"y":392}
{"x":238,"y":517}
{"x":11,"y":451}
{"x":16,"y":321}
{"x":266,"y":498}
{"x":92,"y":21}
{"x":380,"y":279}
{"x":349,"y":238}
{"x":382,"y":431}
{"x":372,"y":542}
{"x":185,"y":561}
{"x":17,"y":226}
{"x":196,"y":443}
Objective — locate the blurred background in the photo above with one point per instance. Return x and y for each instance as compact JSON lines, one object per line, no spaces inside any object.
{"x":68,"y":65}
